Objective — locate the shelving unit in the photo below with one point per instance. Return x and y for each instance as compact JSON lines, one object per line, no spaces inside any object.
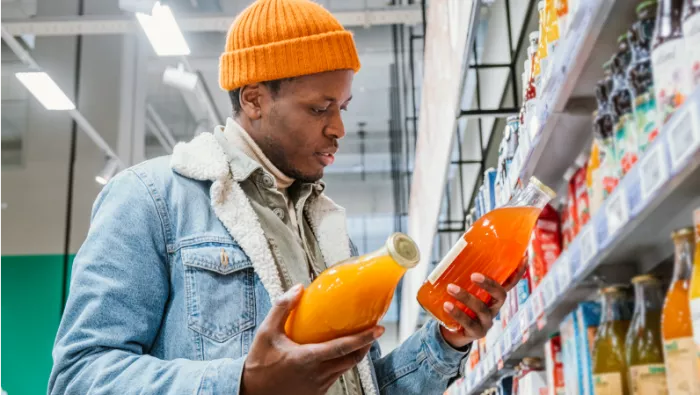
{"x":630,"y":233}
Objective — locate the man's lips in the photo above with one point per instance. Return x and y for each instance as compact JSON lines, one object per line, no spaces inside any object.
{"x":326,"y":158}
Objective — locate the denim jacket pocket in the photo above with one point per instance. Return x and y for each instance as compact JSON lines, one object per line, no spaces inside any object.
{"x":219,"y":281}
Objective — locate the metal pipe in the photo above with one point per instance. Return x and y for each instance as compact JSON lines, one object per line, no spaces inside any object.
{"x":493,"y":112}
{"x":489,"y":66}
{"x":513,"y":77}
{"x":160,"y":125}
{"x":159,"y":135}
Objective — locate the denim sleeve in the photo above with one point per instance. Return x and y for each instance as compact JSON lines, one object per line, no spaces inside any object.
{"x":423,"y":364}
{"x":118,"y":294}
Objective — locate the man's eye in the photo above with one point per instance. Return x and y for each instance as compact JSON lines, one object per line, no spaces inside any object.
{"x":318,"y":110}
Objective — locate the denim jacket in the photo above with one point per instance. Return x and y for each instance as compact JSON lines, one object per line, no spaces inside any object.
{"x":156,"y":308}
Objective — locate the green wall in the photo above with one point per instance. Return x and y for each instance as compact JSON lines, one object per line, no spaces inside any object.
{"x":31,"y":310}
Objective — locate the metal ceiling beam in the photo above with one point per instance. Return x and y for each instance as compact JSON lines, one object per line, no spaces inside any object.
{"x":121,"y":24}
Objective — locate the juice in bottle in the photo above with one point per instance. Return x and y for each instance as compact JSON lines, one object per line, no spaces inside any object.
{"x":643,"y":345}
{"x":676,"y":327}
{"x":668,"y":58}
{"x":695,"y":290}
{"x":609,"y":366}
{"x":493,"y":246}
{"x":352,"y":295}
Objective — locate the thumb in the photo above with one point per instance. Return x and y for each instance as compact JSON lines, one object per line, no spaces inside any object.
{"x":283,"y":306}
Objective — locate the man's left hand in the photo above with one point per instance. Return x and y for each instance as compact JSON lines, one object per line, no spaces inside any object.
{"x":473,"y":329}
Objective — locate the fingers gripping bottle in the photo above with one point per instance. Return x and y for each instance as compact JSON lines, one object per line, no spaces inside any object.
{"x":493,"y":246}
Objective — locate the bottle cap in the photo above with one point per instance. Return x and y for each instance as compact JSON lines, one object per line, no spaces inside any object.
{"x":613,"y":289}
{"x":540,"y":6}
{"x":682,"y":232}
{"x":645,"y":278}
{"x":403,"y":249}
{"x":547,"y":190}
{"x":646,"y":4}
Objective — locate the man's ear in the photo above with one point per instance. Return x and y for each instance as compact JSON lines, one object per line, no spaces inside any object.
{"x":251,"y":99}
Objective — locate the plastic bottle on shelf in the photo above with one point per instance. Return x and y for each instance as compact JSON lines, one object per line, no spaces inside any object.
{"x":691,"y":31}
{"x":609,"y":365}
{"x":676,"y":325}
{"x":625,"y":141}
{"x":604,"y":128}
{"x":364,"y":287}
{"x":695,"y":290}
{"x":494,"y":246}
{"x":552,"y":28}
{"x":668,"y":58}
{"x":639,"y":74}
{"x":643,"y":343}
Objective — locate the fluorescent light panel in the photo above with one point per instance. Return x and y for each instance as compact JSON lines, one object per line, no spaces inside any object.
{"x":163,"y":32}
{"x":45,"y":90}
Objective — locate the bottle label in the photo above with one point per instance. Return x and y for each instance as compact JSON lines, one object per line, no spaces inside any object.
{"x":648,"y":379}
{"x":680,"y":366}
{"x":670,"y":81}
{"x":607,"y":384}
{"x":447,"y":260}
{"x":691,"y":32}
{"x":626,"y":144}
{"x":645,"y":117}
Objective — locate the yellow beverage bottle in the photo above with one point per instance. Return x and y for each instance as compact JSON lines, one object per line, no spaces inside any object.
{"x":676,"y":327}
{"x":643,"y":345}
{"x":695,"y":291}
{"x":609,"y":365}
{"x":352,"y":295}
{"x":552,"y":27}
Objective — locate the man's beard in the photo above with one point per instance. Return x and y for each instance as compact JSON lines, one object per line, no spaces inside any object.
{"x":276,"y":155}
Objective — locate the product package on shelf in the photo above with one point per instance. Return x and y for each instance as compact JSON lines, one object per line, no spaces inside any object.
{"x":587,"y":321}
{"x":570,"y":361}
{"x":554,"y":367}
{"x":545,"y":245}
{"x":490,"y":189}
{"x":580,"y":190}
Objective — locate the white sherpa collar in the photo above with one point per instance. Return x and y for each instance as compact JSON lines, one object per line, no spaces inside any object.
{"x":204,"y":159}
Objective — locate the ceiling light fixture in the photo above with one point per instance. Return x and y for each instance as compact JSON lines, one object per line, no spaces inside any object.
{"x":110,"y":169}
{"x":163,"y":32}
{"x":180,"y":78}
{"x":45,"y":90}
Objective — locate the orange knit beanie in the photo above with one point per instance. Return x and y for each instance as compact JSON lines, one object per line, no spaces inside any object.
{"x":274,"y":39}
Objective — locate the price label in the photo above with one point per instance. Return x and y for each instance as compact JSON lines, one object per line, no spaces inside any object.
{"x":537,"y":302}
{"x":507,"y":341}
{"x":563,"y":270}
{"x":588,"y":246}
{"x":653,"y":170}
{"x":682,"y":139}
{"x":616,"y":210}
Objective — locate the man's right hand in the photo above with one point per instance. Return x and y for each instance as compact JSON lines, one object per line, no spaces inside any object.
{"x":277,"y":365}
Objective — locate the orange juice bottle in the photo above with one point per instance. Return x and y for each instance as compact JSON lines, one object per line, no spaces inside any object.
{"x":352,"y":295}
{"x":493,"y":246}
{"x":676,"y":327}
{"x":695,"y":291}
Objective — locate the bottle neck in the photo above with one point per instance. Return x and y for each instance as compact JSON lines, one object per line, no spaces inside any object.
{"x":683,"y":258}
{"x":647,"y":298}
{"x":614,"y":307}
{"x":669,"y":17}
{"x":531,"y":196}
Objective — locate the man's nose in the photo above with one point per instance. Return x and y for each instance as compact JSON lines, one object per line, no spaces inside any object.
{"x":336,"y":128}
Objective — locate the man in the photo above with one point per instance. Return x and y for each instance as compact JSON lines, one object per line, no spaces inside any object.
{"x":193,"y":263}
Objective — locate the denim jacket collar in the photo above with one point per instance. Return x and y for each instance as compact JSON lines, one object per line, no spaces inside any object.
{"x":204,"y":159}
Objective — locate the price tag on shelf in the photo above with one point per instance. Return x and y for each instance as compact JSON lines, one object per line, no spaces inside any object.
{"x":563,"y":272}
{"x":588,"y":246}
{"x":525,"y":323}
{"x":683,"y":139}
{"x":653,"y":170}
{"x":616,"y":210}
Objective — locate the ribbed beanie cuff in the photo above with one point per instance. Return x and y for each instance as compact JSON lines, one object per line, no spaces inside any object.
{"x":295,"y":57}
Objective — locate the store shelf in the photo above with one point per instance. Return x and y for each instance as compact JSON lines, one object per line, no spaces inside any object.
{"x":628,"y":235}
{"x":561,"y":126}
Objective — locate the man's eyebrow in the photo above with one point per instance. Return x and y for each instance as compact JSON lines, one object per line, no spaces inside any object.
{"x":333,"y":99}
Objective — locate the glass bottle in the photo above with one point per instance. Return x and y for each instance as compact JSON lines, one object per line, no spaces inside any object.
{"x":625,"y":141}
{"x":609,"y":366}
{"x":676,"y":326}
{"x":552,"y":27}
{"x":493,"y":246}
{"x":352,"y":295}
{"x":668,"y":59}
{"x":695,"y":290}
{"x":643,"y":344}
{"x":691,"y":31}
{"x":639,"y":73}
